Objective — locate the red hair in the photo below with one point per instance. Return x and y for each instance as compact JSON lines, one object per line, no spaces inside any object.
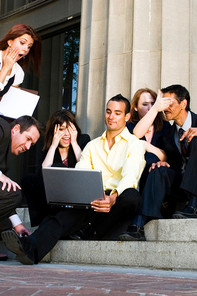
{"x":34,"y":56}
{"x":158,"y":122}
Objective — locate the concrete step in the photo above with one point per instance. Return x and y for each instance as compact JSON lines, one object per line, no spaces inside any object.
{"x":171,"y":244}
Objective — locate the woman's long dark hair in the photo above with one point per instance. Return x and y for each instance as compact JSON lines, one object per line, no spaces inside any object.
{"x":158,"y":122}
{"x":33,"y":58}
{"x":59,"y":117}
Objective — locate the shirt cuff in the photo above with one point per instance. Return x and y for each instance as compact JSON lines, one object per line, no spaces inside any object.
{"x":114,"y":191}
{"x":1,"y":173}
{"x":1,"y":86}
{"x":15,"y":220}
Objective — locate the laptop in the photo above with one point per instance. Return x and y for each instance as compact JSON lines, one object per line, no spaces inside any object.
{"x":71,"y":187}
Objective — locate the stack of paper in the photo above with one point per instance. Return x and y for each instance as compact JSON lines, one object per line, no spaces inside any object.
{"x":17,"y":102}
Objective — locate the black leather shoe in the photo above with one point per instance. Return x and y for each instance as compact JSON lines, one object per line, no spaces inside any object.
{"x":134,"y":233}
{"x":188,"y":212}
{"x":18,"y":245}
{"x":85,"y":233}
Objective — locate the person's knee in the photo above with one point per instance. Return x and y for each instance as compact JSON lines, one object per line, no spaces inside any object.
{"x":16,"y":198}
{"x":131,"y":198}
{"x":11,"y":196}
{"x":159,"y":172}
{"x":9,"y":201}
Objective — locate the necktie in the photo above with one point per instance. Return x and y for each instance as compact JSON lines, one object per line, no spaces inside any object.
{"x":7,"y":86}
{"x":183,"y":143}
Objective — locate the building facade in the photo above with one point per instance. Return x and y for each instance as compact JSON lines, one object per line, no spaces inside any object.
{"x":118,"y":47}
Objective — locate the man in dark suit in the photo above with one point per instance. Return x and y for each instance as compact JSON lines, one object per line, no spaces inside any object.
{"x":16,"y":139}
{"x":173,"y":180}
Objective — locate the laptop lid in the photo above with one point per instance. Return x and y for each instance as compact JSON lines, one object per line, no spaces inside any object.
{"x":71,"y":187}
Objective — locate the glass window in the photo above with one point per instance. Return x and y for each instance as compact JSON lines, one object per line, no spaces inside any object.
{"x":57,"y":85}
{"x":70,"y":68}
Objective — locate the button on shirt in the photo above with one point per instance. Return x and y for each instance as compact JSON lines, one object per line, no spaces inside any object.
{"x":121,"y":166}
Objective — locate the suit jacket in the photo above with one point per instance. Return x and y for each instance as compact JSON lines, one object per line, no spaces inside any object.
{"x":5,"y":144}
{"x":174,"y":157}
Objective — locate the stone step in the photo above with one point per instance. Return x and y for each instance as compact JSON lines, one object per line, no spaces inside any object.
{"x":171,"y":244}
{"x":158,"y":255}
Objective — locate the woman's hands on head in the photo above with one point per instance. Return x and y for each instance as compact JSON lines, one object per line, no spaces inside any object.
{"x":73,"y":133}
{"x":58,"y":134}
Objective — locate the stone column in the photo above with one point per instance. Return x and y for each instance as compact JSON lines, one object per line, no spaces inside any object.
{"x":193,"y":54}
{"x":92,"y":66}
{"x":175,"y":65}
{"x":146,"y":62}
{"x":119,"y":51}
{"x":105,"y":59}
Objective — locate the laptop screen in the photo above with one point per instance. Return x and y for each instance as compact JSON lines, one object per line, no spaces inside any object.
{"x":71,"y":187}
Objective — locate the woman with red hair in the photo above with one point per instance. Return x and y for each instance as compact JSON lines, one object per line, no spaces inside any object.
{"x":20,"y":49}
{"x":143,"y":100}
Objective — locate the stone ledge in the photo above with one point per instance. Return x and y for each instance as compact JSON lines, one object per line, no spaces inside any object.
{"x":163,"y":255}
{"x":171,"y":244}
{"x":171,"y":230}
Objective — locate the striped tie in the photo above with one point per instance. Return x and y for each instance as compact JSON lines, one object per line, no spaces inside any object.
{"x":183,"y":143}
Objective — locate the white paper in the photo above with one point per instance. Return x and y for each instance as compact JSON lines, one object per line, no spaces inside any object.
{"x":17,"y":102}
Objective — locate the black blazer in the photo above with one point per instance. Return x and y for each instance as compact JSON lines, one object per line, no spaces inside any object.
{"x":5,"y":142}
{"x":174,"y":157}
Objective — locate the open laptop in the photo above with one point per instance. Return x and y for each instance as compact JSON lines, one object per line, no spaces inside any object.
{"x":71,"y":187}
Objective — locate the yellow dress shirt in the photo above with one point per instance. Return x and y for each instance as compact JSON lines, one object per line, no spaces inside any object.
{"x":121,"y":166}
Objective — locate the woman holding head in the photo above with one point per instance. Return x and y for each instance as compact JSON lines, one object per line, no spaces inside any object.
{"x":144,"y":100}
{"x":62,"y":148}
{"x":20,"y":48}
{"x":63,"y":140}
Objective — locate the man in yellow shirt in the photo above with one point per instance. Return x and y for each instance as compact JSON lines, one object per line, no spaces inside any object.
{"x":120,"y":157}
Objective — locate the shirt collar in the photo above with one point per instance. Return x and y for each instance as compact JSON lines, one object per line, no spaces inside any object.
{"x":187,"y":124}
{"x":125,"y":134}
